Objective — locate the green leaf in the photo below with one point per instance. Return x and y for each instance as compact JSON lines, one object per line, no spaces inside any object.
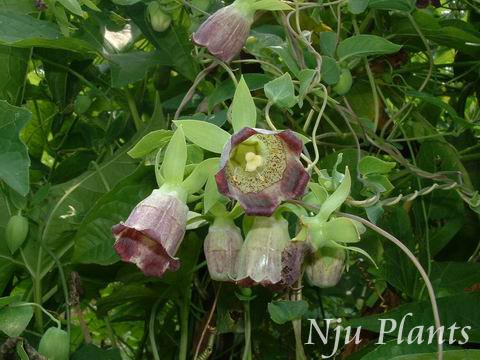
{"x":437,"y":102}
{"x":94,"y":240}
{"x":150,"y":142}
{"x":73,"y":6}
{"x":391,"y":349}
{"x":400,"y":5}
{"x":364,"y":45}
{"x":283,"y":51}
{"x":372,"y":165}
{"x":125,"y":2}
{"x":14,"y":66}
{"x":19,"y":6}
{"x":175,"y":159}
{"x":90,"y":351}
{"x":14,"y":319}
{"x":460,"y":309}
{"x":227,"y":89}
{"x":20,"y":30}
{"x":244,"y":112}
{"x":328,"y":43}
{"x":130,"y":67}
{"x":13,"y":152}
{"x":206,"y":135}
{"x":335,"y":200}
{"x":285,"y":311}
{"x":447,"y":355}
{"x":281,"y":91}
{"x":330,"y":70}
{"x":175,"y":41}
{"x":357,"y":6}
{"x":270,"y":5}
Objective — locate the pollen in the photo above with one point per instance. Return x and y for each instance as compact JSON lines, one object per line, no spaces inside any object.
{"x":252,"y":161}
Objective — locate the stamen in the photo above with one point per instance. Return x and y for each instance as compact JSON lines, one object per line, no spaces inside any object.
{"x":253,"y":161}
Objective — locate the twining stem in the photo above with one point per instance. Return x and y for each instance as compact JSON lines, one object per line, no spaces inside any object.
{"x":207,"y":324}
{"x":41,"y":309}
{"x":247,"y":352}
{"x":428,"y":284}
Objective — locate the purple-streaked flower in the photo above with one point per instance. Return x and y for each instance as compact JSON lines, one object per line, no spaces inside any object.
{"x":224,"y":32}
{"x":153,"y":232}
{"x":221,"y":247}
{"x":262,"y":168}
{"x":267,"y":257}
{"x":326,"y":268}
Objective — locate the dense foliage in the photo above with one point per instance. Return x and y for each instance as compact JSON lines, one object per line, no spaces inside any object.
{"x":103,"y":101}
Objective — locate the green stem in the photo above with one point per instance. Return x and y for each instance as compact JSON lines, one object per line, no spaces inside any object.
{"x":151,"y":330}
{"x":37,"y":293}
{"x":247,"y":352}
{"x":133,"y":110}
{"x":184,"y":313}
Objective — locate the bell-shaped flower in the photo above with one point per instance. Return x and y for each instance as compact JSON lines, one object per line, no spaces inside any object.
{"x":222,"y":246}
{"x":224,"y":32}
{"x":266,"y":257}
{"x":262,"y":168}
{"x":327,"y":267}
{"x":152,"y":234}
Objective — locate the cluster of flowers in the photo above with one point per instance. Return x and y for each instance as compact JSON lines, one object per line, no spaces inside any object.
{"x":260,"y":169}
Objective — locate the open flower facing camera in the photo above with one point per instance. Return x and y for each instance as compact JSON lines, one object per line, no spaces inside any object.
{"x":262,"y":168}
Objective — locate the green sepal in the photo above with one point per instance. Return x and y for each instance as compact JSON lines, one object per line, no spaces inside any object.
{"x":175,"y":158}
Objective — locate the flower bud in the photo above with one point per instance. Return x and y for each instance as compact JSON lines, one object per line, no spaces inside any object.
{"x":262,"y":168}
{"x":221,"y":248}
{"x":159,"y":20}
{"x":224,"y":32}
{"x":153,"y":232}
{"x":262,"y":258}
{"x":54,"y":344}
{"x":327,"y":267}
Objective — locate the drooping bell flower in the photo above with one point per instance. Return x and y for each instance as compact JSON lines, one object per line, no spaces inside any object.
{"x":262,"y":168}
{"x":263,"y":259}
{"x":222,"y":246}
{"x":327,"y":267}
{"x":152,"y":234}
{"x":224,"y":32}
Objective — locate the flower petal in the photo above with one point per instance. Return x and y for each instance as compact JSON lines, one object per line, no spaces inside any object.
{"x":152,"y":234}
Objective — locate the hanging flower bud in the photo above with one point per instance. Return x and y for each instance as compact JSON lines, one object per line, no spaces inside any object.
{"x":327,"y":267}
{"x":153,"y":232}
{"x":159,"y":20}
{"x":262,"y":168}
{"x":221,"y":248}
{"x":224,"y":32}
{"x":263,"y":259}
